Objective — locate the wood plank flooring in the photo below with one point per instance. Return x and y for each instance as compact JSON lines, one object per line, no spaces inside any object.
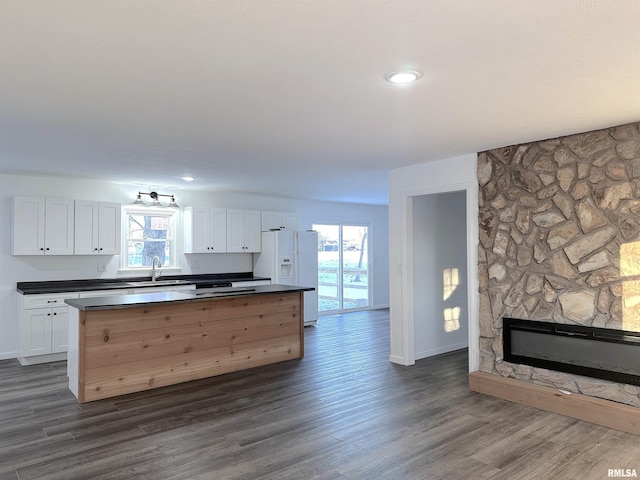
{"x":343,"y":412}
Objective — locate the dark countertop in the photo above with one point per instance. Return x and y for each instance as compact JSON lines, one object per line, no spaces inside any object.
{"x":144,"y":299}
{"x":65,"y":286}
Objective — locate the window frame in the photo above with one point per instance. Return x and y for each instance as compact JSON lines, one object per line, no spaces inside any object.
{"x":173,"y":216}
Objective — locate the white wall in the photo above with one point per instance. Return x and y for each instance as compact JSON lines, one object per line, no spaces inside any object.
{"x":26,"y":269}
{"x":447,"y":175}
{"x":439,"y":275}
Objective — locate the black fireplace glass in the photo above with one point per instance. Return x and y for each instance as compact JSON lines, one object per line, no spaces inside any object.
{"x":596,"y":352}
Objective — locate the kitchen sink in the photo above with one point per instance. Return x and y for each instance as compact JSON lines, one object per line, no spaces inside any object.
{"x":157,"y":283}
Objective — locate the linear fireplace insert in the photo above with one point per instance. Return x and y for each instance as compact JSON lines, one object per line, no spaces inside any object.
{"x":594,"y":352}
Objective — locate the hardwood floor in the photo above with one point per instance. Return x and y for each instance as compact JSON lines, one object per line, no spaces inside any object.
{"x":343,"y":412}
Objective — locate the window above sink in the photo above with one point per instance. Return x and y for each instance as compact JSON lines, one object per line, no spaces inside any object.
{"x":149,"y":232}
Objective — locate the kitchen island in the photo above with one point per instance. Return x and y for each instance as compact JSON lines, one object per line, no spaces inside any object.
{"x":129,"y":343}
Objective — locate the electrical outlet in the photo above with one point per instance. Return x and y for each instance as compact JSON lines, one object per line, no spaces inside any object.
{"x":101,"y":267}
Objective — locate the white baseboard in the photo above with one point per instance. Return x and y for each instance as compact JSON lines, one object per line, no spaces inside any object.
{"x":396,"y":359}
{"x":440,"y":350}
{"x":51,"y":357}
{"x":8,"y":355}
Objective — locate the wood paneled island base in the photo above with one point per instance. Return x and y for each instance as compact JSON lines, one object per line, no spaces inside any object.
{"x":115,"y":351}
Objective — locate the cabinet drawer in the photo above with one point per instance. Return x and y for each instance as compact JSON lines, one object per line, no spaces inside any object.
{"x":42,"y":301}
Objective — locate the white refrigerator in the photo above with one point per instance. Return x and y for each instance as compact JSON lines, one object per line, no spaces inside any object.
{"x":291,"y":258}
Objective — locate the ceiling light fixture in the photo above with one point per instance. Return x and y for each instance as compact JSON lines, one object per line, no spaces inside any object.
{"x":155,"y":201}
{"x":402,"y":77}
{"x":188,"y":179}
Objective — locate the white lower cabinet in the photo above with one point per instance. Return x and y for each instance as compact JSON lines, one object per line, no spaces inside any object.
{"x":45,"y":327}
{"x":59,"y":329}
{"x":37,"y":330}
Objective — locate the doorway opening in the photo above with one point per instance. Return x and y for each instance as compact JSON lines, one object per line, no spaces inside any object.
{"x":439,"y":273}
{"x":343,"y":268}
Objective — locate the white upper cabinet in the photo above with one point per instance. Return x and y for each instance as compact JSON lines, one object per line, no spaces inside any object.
{"x":42,"y":226}
{"x":97,"y":228}
{"x":109,"y":230}
{"x":58,"y":226}
{"x":205,"y":230}
{"x":244,"y":231}
{"x":279,"y":221}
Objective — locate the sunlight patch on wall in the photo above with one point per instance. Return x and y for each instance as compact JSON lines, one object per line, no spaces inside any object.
{"x":630,"y":267}
{"x":451,"y":319}
{"x":450,"y":281}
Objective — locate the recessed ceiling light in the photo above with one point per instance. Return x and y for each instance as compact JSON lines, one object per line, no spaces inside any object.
{"x":403,"y":76}
{"x":188,"y":179}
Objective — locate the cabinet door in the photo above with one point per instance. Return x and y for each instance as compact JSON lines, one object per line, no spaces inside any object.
{"x":109,"y":227}
{"x":205,"y":230}
{"x":36,"y":332}
{"x":86,"y":228}
{"x":279,"y":220}
{"x":218,"y":230}
{"x":290,"y":221}
{"x":195,"y":222}
{"x":252,"y":231}
{"x":271,"y":221}
{"x":235,"y":231}
{"x":28,"y":226}
{"x":59,"y":329}
{"x":58,"y":226}
{"x":244,"y":231}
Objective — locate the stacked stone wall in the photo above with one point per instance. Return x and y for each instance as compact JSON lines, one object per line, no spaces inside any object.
{"x":560,"y":241}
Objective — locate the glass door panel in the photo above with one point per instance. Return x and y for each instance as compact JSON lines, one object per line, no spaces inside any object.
{"x":355,"y":267}
{"x":329,"y":287}
{"x":343,"y":267}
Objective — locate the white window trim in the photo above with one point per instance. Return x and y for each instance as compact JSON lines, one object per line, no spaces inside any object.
{"x":144,"y":209}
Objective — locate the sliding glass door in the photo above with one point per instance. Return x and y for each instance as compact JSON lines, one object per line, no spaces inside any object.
{"x":343,"y":267}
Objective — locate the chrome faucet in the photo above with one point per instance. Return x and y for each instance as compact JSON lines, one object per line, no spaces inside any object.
{"x":155,"y":261}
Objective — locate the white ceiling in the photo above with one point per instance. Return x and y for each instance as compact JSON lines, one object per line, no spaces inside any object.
{"x":288,"y":97}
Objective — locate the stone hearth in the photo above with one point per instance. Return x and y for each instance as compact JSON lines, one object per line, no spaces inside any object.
{"x":560,"y":241}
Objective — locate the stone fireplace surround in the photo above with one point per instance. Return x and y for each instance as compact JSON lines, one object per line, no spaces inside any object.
{"x":560,"y":242}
